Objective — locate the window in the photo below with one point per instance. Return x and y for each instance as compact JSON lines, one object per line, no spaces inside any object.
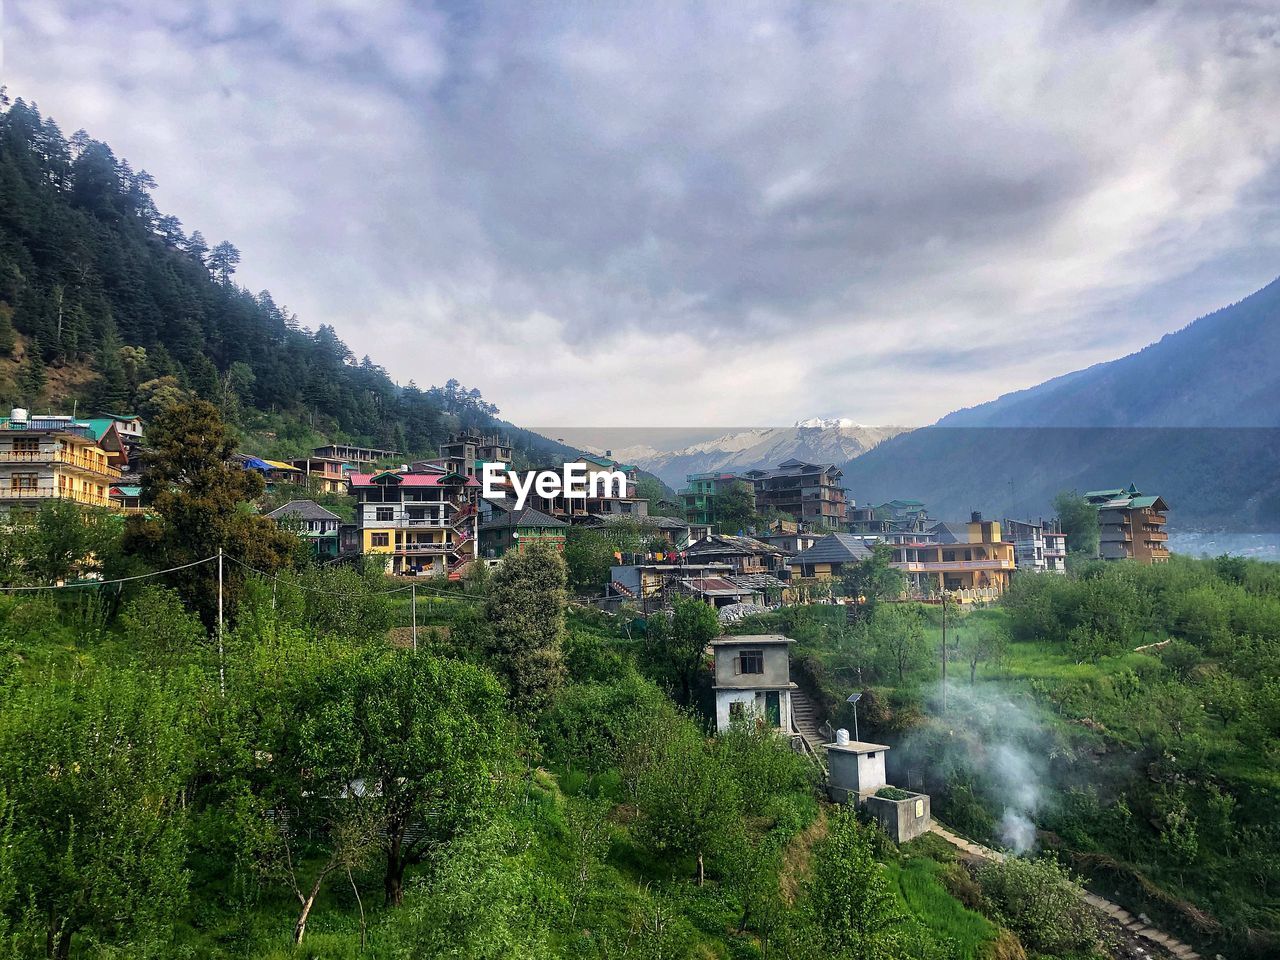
{"x":379,"y":539}
{"x":384,"y":513}
{"x":24,"y":481}
{"x":751,"y":661}
{"x":737,"y":710}
{"x":26,"y":445}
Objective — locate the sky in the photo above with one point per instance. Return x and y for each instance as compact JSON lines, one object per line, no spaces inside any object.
{"x":675,"y":214}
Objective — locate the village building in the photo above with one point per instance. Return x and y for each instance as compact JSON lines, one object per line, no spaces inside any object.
{"x":273,"y":471}
{"x":507,"y":530}
{"x":322,"y":474}
{"x":1131,"y":526}
{"x":420,"y":524}
{"x":894,"y":518}
{"x":128,"y":425}
{"x":700,"y":498}
{"x":857,"y":775}
{"x":127,"y":497}
{"x":467,"y":453}
{"x":829,"y":557}
{"x":810,"y":492}
{"x":1038,"y":546}
{"x":316,"y":524}
{"x":971,"y":562}
{"x":744,"y":554}
{"x":653,"y":583}
{"x":350,"y":453}
{"x":44,"y":458}
{"x":753,"y":680}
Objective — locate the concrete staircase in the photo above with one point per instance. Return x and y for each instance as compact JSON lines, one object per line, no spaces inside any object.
{"x":804,"y":721}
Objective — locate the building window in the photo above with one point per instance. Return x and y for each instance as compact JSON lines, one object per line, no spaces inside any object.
{"x":26,"y":445}
{"x":379,"y":539}
{"x":25,"y":481}
{"x":384,"y":513}
{"x":751,"y":661}
{"x":737,"y":710}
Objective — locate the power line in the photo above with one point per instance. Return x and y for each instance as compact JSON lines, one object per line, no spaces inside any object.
{"x":105,"y":583}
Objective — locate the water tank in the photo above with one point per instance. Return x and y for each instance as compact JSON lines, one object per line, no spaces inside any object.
{"x":18,"y":415}
{"x":842,"y":737}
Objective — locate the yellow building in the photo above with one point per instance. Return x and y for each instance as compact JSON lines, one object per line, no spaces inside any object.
{"x":969,"y":561}
{"x":421,"y":524}
{"x":51,"y":458}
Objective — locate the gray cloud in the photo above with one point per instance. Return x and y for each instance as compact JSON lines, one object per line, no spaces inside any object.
{"x":680,"y":213}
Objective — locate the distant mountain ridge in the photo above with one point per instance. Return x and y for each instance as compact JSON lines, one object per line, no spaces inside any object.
{"x":820,"y":440}
{"x":1193,"y":416}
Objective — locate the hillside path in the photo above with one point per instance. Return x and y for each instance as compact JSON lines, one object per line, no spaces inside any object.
{"x":1112,"y":910}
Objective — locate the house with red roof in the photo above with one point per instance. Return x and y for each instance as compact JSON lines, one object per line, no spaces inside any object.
{"x":420,"y":524}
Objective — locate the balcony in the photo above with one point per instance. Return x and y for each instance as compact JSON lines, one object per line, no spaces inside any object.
{"x":12,"y":494}
{"x":944,"y":566}
{"x":61,"y":458}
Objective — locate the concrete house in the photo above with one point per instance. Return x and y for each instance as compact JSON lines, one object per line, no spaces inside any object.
{"x":753,"y":678}
{"x":318,"y":525}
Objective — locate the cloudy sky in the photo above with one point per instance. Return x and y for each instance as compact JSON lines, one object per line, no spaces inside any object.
{"x":720,"y":213}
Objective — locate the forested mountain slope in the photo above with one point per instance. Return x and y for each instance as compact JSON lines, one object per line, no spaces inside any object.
{"x":102,"y":297}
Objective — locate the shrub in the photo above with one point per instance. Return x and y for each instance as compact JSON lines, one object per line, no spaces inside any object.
{"x":1040,"y":901}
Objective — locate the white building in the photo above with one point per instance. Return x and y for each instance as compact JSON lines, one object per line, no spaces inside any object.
{"x":753,"y":678}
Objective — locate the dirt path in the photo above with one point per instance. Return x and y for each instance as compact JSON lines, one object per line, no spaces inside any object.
{"x":1113,"y":911}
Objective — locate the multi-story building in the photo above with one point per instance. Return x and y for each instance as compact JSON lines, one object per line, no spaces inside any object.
{"x":753,"y":680}
{"x":971,"y":562}
{"x":810,"y":492}
{"x":467,"y":453}
{"x":699,"y":498}
{"x":828,"y":558}
{"x":744,"y":554}
{"x":1055,"y":547}
{"x":50,"y":458}
{"x":1131,"y":525}
{"x":1030,"y":545}
{"x":348,"y":453}
{"x":322,"y":474}
{"x":894,"y":518}
{"x":421,"y":524}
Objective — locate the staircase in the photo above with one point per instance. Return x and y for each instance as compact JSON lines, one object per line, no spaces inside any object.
{"x":804,"y":721}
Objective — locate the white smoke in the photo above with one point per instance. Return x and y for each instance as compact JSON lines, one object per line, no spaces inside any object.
{"x":1006,"y":748}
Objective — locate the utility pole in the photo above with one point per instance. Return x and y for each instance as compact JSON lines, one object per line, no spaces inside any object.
{"x":222,"y":663}
{"x":944,"y":651}
{"x":413,"y":611}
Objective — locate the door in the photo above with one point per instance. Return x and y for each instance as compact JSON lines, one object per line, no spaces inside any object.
{"x":773,"y":708}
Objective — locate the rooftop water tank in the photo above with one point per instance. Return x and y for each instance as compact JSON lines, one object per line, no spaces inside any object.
{"x":18,"y":415}
{"x":842,"y":737}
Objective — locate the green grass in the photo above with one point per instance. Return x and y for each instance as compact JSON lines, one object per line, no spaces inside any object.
{"x":919,"y":887}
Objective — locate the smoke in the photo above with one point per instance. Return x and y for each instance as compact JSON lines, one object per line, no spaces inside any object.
{"x":1003,"y":748}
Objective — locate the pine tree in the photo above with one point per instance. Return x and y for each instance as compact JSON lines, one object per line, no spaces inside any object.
{"x":32,"y":377}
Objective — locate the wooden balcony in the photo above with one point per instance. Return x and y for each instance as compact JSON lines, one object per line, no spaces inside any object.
{"x":61,"y":458}
{"x":19,"y":494}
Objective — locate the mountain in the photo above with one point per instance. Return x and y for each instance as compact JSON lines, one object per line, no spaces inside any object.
{"x":823,"y":441}
{"x":1193,"y":417}
{"x":107,"y":302}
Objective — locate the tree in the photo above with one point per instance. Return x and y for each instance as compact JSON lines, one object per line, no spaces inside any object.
{"x":198,"y":494}
{"x":980,"y":642}
{"x":223,"y":260}
{"x":854,"y":908}
{"x":898,"y":633}
{"x":419,"y":740}
{"x":678,"y":643}
{"x":589,"y":556}
{"x":1079,"y":519}
{"x":31,"y":376}
{"x":525,"y":610}
{"x":94,"y":768}
{"x":734,"y":509}
{"x":874,"y":578}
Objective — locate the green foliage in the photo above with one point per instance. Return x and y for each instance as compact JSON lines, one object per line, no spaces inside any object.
{"x":677,"y":644}
{"x":94,"y":770}
{"x":855,"y":911}
{"x":1079,"y":520}
{"x":1040,"y":901}
{"x":525,"y":611}
{"x":198,"y":496}
{"x":873,"y":578}
{"x":588,"y":555}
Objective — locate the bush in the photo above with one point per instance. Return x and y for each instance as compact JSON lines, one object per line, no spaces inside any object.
{"x":1040,"y":901}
